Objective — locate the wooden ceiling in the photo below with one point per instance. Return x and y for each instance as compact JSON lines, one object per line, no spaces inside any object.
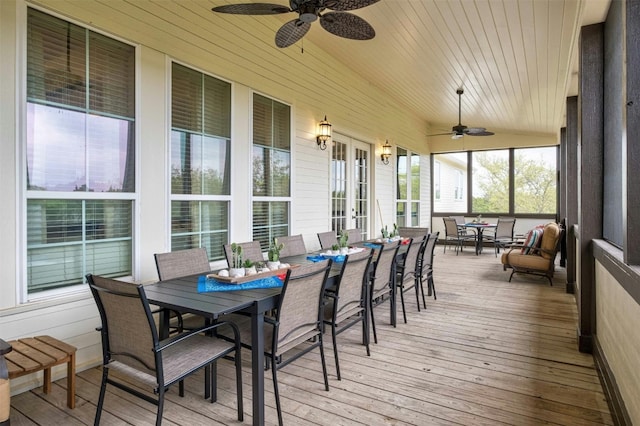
{"x":515,"y":59}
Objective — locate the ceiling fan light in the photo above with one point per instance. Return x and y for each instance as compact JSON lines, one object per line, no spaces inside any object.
{"x":308,"y":12}
{"x":457,"y":136}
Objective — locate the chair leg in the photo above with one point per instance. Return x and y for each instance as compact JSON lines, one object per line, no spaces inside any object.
{"x":274,"y":370}
{"x":373,"y":321}
{"x":431,"y":284}
{"x":324,"y":364}
{"x":161,"y":390}
{"x":103,"y":389}
{"x":211,"y":389}
{"x":335,"y":349}
{"x":181,"y":387}
{"x":238,"y":362}
{"x":365,"y":332}
{"x":404,"y":313}
{"x":207,"y":379}
{"x":424,"y":301}
{"x":416,"y":285}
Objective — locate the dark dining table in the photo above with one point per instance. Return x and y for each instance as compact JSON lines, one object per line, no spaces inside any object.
{"x":479,"y":228}
{"x":181,"y":294}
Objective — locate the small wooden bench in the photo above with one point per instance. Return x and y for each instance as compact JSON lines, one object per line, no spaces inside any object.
{"x":39,"y":353}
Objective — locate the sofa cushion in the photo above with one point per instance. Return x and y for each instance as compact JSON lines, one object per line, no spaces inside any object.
{"x":532,"y":240}
{"x":549,"y":240}
{"x":525,"y":261}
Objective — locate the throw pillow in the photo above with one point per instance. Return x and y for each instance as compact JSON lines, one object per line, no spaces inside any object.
{"x":534,"y":237}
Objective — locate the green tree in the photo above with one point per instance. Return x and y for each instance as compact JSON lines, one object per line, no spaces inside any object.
{"x":535,"y":185}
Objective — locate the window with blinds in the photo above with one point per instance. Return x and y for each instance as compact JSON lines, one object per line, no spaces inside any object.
{"x":200,"y":161}
{"x":407,"y":188}
{"x":80,"y":153}
{"x":271,"y":169}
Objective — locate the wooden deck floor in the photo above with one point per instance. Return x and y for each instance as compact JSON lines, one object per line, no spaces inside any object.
{"x":487,"y":352}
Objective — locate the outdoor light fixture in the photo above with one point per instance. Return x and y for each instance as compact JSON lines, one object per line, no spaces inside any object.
{"x":386,"y":152}
{"x":324,"y":133}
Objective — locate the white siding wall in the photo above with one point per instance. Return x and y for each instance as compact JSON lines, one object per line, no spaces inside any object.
{"x":237,"y":49}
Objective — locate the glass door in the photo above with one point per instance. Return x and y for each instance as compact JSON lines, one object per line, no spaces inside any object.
{"x":350,"y":185}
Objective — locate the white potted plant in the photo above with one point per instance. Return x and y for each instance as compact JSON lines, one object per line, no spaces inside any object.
{"x":249,"y":267}
{"x":273,"y":254}
{"x":335,"y":249}
{"x":342,"y":242}
{"x":237,"y":265}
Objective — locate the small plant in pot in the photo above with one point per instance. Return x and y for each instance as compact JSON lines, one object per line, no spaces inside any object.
{"x":342,"y":242}
{"x":335,"y":249}
{"x":273,"y":254}
{"x":237,"y":265}
{"x":249,"y":267}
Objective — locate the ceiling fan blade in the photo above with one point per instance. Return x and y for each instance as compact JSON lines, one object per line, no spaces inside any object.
{"x":441,"y":134}
{"x":252,"y":9}
{"x":291,"y":32}
{"x":482,"y":133}
{"x":347,"y":25}
{"x":343,"y":5}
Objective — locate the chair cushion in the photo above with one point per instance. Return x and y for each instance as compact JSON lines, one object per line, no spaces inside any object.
{"x":549,"y":240}
{"x":525,"y":261}
{"x":533,"y":240}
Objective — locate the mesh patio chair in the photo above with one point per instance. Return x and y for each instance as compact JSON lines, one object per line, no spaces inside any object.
{"x":412,"y":231}
{"x":463,"y":230}
{"x":182,"y":263}
{"x":383,"y":282}
{"x":346,"y":304}
{"x":251,"y":250}
{"x":453,"y":234}
{"x":296,"y":328}
{"x":293,"y":245}
{"x":131,"y":348}
{"x":425,"y":266}
{"x":408,"y":273}
{"x":178,"y":264}
{"x":327,"y":239}
{"x":355,"y":236}
{"x":503,"y":234}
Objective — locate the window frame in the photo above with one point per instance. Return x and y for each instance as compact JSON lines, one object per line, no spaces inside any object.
{"x":25,"y":194}
{"x":201,"y":197}
{"x":469,"y":183}
{"x":409,"y":201}
{"x":288,"y":200}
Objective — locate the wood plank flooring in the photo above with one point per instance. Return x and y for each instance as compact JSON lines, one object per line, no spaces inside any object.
{"x":486,"y":352}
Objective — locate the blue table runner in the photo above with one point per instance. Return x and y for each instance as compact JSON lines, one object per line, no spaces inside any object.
{"x":206,"y":285}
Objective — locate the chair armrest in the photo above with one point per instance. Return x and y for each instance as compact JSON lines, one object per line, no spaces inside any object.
{"x":183,"y":336}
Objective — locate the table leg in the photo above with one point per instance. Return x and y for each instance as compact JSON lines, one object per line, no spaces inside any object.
{"x":163,"y":333}
{"x":479,"y":241}
{"x":257,"y":366}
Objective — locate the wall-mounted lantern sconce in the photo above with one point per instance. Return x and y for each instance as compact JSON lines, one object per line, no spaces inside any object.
{"x":386,"y":152}
{"x":324,"y":133}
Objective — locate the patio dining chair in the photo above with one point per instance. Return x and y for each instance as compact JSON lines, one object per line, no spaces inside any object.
{"x":297,"y":326}
{"x":355,"y":236}
{"x":293,"y":245}
{"x":453,"y":234}
{"x":408,"y":273}
{"x":503,"y":234}
{"x":412,"y":231}
{"x":346,"y":304}
{"x":382,"y":285}
{"x":131,"y":348}
{"x":251,"y":250}
{"x":327,"y":239}
{"x":425,"y":267}
{"x":181,"y":263}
